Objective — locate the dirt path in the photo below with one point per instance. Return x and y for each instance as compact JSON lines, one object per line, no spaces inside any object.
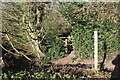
{"x":65,"y":60}
{"x":68,"y":60}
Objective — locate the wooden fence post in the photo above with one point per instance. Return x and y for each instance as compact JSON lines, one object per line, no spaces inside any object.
{"x":95,"y":50}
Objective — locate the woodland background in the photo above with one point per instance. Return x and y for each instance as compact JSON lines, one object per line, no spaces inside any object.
{"x":34,"y":34}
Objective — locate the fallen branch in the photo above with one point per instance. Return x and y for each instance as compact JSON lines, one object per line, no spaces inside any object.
{"x":15,"y":49}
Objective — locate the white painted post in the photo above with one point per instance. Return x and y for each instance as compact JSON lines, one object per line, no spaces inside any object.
{"x":66,"y":45}
{"x":95,"y":49}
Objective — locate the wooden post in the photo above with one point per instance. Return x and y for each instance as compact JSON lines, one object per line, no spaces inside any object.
{"x":66,"y":46}
{"x":95,"y":49}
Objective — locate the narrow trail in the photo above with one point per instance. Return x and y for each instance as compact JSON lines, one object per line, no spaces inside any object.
{"x":69,"y":60}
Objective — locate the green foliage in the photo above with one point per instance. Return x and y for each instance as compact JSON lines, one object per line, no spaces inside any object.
{"x":55,"y":48}
{"x":35,"y":75}
{"x":53,"y":45}
{"x":84,"y":20}
{"x":49,"y":74}
{"x":20,"y":23}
